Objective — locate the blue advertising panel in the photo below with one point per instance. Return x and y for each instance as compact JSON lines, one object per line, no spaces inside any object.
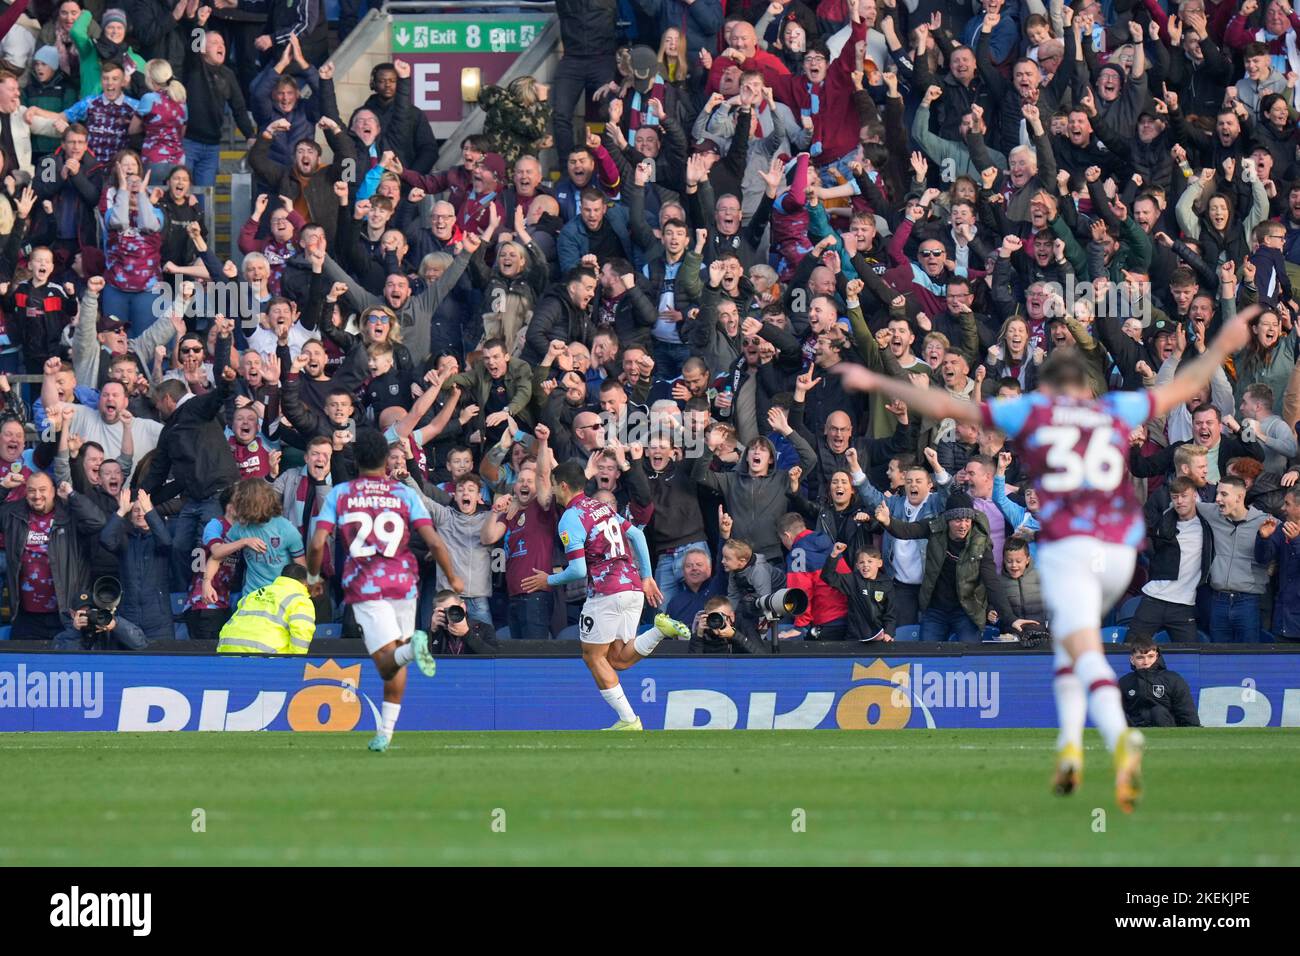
{"x":134,"y":693}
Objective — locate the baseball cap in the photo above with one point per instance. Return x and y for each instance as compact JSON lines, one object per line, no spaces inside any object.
{"x":1159,"y":327}
{"x":707,"y":146}
{"x":110,"y":323}
{"x":645,"y":64}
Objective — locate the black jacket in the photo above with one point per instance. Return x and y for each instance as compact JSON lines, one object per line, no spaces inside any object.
{"x":209,"y":90}
{"x":1162,"y":462}
{"x":1157,"y":697}
{"x":192,"y":445}
{"x":677,"y":518}
{"x":587,"y":27}
{"x":871,"y":601}
{"x":1165,"y":553}
{"x":556,"y":317}
{"x":480,"y":639}
{"x":77,"y":523}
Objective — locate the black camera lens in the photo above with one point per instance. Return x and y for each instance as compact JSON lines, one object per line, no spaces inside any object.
{"x":455,"y":613}
{"x":715,"y":621}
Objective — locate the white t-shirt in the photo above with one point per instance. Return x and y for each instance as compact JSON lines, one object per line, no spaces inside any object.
{"x":264,"y":342}
{"x":1182,"y":590}
{"x":87,"y":423}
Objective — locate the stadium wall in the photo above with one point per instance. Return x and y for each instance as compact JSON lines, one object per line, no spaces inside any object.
{"x":67,"y":692}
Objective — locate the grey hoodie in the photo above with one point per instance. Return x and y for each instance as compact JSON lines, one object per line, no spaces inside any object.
{"x":1234,"y":567}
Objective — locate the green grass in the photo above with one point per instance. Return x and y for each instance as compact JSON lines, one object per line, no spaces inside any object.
{"x":977,"y":797}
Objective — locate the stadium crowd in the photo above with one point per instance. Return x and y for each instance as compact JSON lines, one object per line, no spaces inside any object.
{"x":650,"y":266}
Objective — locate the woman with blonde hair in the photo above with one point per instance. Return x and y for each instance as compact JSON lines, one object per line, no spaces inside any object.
{"x":673,"y":66}
{"x":377,"y":325}
{"x":267,"y":539}
{"x":512,"y":286}
{"x":517,"y":118}
{"x":162,"y":115}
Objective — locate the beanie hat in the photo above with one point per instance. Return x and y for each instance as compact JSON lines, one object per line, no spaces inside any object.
{"x":959,"y":506}
{"x":114,"y":15}
{"x":47,"y":55}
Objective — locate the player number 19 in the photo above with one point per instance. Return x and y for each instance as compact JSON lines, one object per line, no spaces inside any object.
{"x":1100,"y":467}
{"x":614,"y":535}
{"x":387,"y":527}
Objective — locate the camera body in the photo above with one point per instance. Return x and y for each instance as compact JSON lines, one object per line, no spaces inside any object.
{"x":101,"y":603}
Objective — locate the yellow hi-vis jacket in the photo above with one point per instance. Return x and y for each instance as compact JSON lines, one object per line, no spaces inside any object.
{"x":277,"y":619}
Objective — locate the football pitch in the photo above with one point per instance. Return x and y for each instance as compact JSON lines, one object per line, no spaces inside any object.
{"x":974,"y":797}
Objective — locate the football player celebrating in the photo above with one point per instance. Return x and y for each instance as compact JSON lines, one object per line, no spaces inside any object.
{"x":1075,"y":446}
{"x":375,"y":516}
{"x":595,"y":539}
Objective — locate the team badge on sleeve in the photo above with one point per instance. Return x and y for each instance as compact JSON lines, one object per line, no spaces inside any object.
{"x":564,"y":538}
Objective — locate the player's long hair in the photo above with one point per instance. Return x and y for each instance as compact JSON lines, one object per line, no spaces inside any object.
{"x":255,"y":501}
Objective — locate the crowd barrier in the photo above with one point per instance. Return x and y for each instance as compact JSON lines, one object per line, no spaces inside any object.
{"x":153,"y":692}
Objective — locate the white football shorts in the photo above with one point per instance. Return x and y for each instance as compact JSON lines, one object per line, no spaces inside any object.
{"x":606,"y":618}
{"x":1082,"y":579}
{"x":383,"y":622}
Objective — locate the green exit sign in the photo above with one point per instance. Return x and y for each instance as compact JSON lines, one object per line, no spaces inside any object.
{"x":465,"y":36}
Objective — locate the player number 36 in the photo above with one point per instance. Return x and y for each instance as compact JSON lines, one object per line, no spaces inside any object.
{"x":1100,"y":467}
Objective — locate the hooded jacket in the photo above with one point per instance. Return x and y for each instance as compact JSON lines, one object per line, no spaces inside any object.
{"x":556,"y":317}
{"x":1157,"y":697}
{"x":145,"y":569}
{"x":826,"y":602}
{"x":754,"y":503}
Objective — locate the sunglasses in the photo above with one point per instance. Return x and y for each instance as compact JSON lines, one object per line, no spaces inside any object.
{"x":376,"y":320}
{"x":931,"y":253}
{"x":191,"y":351}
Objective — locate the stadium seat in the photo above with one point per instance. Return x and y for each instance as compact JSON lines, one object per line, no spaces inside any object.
{"x":1266,"y":637}
{"x":182,"y":631}
{"x":1162,"y":637}
{"x":908,"y":632}
{"x":570,"y":633}
{"x":1203,"y":638}
{"x":1113,"y":635}
{"x":178,"y":602}
{"x":4,"y":632}
{"x":1127,"y":609}
{"x":329,"y":630}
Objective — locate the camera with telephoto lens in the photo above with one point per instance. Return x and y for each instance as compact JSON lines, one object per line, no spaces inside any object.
{"x":455,"y":613}
{"x":105,"y":596}
{"x":778,"y":604}
{"x":715,"y":621}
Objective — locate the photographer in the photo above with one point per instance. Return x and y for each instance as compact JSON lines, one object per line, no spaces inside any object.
{"x":452,"y":631}
{"x":96,"y":626}
{"x":714,"y":631}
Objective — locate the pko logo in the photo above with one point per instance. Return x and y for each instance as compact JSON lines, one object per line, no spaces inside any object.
{"x":331,"y":704}
{"x":883,"y":697}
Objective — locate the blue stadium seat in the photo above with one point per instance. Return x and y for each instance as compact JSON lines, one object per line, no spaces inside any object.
{"x":1162,"y":637}
{"x":503,"y":633}
{"x":908,"y":632}
{"x":570,"y":633}
{"x":329,"y":630}
{"x":182,"y":631}
{"x":1266,"y":637}
{"x":1203,"y":638}
{"x":1127,"y":609}
{"x":4,"y":632}
{"x":1113,"y":635}
{"x":178,"y":602}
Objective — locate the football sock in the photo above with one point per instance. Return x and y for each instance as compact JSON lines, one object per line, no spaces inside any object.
{"x":1071,"y":702}
{"x":388,"y":717}
{"x":404,"y":654}
{"x":647,"y":641}
{"x":1104,"y":702}
{"x":615,"y":697}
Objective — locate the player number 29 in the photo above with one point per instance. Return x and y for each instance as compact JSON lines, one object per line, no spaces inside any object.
{"x":1100,"y":467}
{"x":387,"y":528}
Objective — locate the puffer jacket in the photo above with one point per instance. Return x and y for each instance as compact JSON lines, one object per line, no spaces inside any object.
{"x":556,"y":317}
{"x":144,"y":570}
{"x":1157,"y":697}
{"x":508,"y":301}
